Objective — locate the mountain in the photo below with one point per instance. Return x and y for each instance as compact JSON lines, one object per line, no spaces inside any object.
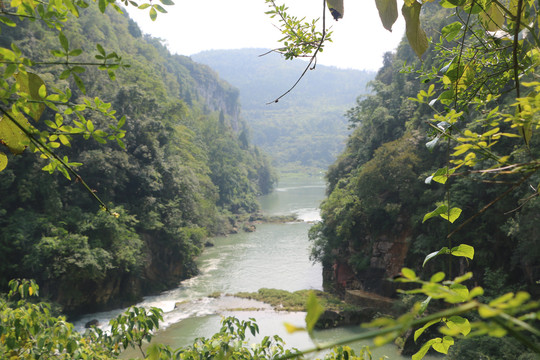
{"x":306,"y":128}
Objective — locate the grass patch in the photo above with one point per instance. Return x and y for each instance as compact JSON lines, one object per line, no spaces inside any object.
{"x":279,"y":219}
{"x":295,"y":301}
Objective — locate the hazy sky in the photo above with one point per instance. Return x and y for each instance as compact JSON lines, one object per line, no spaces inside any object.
{"x":359,"y":39}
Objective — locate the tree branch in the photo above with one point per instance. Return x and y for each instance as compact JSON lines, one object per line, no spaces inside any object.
{"x":311,"y":61}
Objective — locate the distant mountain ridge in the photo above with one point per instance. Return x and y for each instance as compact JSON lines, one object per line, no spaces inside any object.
{"x":304,"y":129}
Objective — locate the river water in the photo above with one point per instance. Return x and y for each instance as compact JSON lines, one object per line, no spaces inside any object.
{"x":274,"y":256}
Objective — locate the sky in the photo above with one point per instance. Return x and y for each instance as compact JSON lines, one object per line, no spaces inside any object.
{"x":189,"y":27}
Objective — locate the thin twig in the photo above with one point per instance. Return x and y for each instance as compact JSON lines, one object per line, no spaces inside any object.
{"x":313,"y":58}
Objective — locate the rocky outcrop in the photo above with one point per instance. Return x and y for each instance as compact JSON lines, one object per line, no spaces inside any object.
{"x":164,"y":266}
{"x":385,"y":254}
{"x":217,"y":94}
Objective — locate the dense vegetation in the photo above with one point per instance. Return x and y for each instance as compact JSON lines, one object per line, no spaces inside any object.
{"x":305,"y":130}
{"x":378,"y":189}
{"x":426,"y":124}
{"x":180,"y":171}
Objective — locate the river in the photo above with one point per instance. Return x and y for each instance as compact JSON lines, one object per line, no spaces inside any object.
{"x":274,"y":256}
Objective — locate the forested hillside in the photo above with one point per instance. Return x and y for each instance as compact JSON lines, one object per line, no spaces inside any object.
{"x":180,"y":172}
{"x":307,"y":128}
{"x":377,"y":217}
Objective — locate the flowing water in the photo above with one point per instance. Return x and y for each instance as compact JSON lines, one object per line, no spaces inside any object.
{"x":274,"y":256}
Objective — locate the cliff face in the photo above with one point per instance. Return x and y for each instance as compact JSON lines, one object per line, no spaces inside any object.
{"x":216,"y":94}
{"x":386,"y":253}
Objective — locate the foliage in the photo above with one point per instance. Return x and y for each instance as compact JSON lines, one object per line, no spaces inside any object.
{"x":306,"y":129}
{"x":295,"y":301}
{"x":162,"y":154}
{"x":475,"y":98}
{"x":28,"y":330}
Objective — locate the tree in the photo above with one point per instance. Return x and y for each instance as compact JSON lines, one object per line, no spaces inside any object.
{"x":26,"y":96}
{"x":153,"y":160}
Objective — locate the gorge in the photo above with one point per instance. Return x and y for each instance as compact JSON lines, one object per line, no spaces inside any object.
{"x":143,"y":160}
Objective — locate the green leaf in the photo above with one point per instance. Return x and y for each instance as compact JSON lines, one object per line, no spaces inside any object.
{"x":78,"y":69}
{"x":493,"y":18}
{"x":457,"y":2}
{"x":462,"y":278}
{"x":100,"y":49}
{"x":387,"y":12}
{"x":438,"y":211}
{"x":424,"y":349}
{"x":420,"y":331}
{"x":72,"y":8}
{"x":11,"y":135}
{"x":408,"y":273}
{"x":65,"y":74}
{"x":160,"y":9}
{"x":446,"y":97}
{"x":526,"y":132}
{"x":452,"y":215}
{"x":63,"y":41}
{"x":459,"y":324}
{"x":75,"y":52}
{"x":460,"y":294}
{"x":121,"y":122}
{"x":3,"y":161}
{"x":102,"y":5}
{"x":144,"y":6}
{"x":293,"y":328}
{"x":10,"y":70}
{"x":42,"y":92}
{"x":463,"y":250}
{"x":112,"y":75}
{"x":314,"y":311}
{"x":451,"y":31}
{"x":423,"y":305}
{"x":90,"y":125}
{"x":438,"y":277}
{"x":153,"y":14}
{"x":153,"y":352}
{"x":415,"y":34}
{"x":64,"y":140}
{"x":444,"y":345}
{"x":30,"y":84}
{"x":442,"y":175}
{"x":7,"y":21}
{"x":488,"y":312}
{"x":444,"y":250}
{"x":336,"y":8}
{"x":79,"y":83}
